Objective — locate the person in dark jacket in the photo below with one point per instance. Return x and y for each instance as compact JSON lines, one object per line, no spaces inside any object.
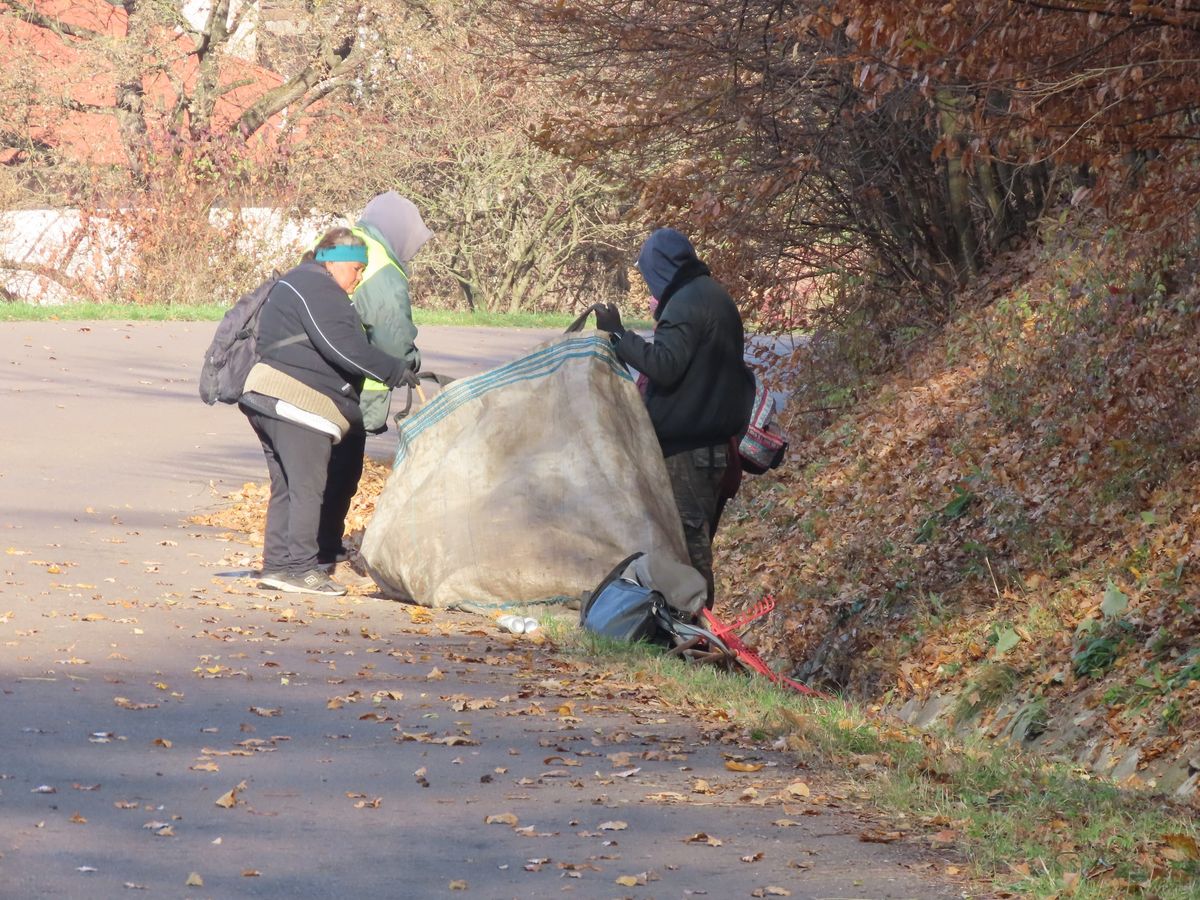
{"x":302,"y":397}
{"x":698,"y":389}
{"x":392,"y":230}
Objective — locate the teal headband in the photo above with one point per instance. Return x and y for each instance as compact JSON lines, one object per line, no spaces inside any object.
{"x":343,"y":253}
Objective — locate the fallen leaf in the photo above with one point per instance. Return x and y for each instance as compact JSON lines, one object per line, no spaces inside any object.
{"x":666,"y":797}
{"x":616,"y":825}
{"x":771,"y":890}
{"x":78,"y":819}
{"x":126,"y":703}
{"x":251,"y":873}
{"x":458,"y":885}
{"x":501,"y":819}
{"x":163,"y":742}
{"x":873,"y":836}
{"x":1184,"y":843}
{"x":229,"y":799}
{"x":753,"y":857}
{"x":701,"y":837}
{"x":631,"y":880}
{"x":798,"y":789}
{"x":734,"y":766}
{"x":266,"y":711}
{"x":194,"y":880}
{"x":419,"y":615}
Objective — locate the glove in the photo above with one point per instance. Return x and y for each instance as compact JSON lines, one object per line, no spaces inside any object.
{"x":408,"y":377}
{"x":608,"y":318}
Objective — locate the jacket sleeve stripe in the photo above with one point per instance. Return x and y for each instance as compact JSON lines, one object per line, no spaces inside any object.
{"x":328,"y":343}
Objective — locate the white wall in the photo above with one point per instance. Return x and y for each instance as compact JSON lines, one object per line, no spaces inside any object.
{"x":96,"y":251}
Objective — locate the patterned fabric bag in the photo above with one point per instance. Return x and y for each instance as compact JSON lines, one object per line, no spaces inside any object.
{"x":764,"y":444}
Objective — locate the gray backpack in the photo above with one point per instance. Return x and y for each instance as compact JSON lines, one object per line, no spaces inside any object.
{"x":234,"y":348}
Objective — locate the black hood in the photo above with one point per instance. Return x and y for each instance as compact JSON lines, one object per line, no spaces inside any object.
{"x":668,"y":261}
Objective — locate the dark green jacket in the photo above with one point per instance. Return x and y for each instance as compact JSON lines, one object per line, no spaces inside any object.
{"x":383,"y":304}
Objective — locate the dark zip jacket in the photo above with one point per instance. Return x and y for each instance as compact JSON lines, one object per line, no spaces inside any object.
{"x":335,"y":357}
{"x":700,"y":390}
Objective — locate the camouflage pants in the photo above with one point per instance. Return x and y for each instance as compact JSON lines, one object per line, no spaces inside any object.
{"x":696,"y":479}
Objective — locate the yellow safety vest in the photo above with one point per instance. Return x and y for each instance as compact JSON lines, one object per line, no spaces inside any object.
{"x":378,"y":258}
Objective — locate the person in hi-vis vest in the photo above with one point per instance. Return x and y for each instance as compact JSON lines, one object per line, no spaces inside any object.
{"x":393,"y":231}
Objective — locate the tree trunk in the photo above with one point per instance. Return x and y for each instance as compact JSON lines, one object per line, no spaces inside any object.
{"x":964,"y":243}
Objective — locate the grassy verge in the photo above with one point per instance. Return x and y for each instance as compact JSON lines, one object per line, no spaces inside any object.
{"x":28,"y":312}
{"x":1031,"y":826}
{"x":75,"y":312}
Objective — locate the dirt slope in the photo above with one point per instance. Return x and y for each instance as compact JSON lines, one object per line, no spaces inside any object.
{"x":1003,"y":533}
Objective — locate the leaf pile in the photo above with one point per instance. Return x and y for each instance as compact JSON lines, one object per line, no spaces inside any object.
{"x":245,"y":510}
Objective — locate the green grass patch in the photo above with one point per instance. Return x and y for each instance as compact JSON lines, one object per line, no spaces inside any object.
{"x":76,"y":312}
{"x":1030,"y":825}
{"x":29,"y":312}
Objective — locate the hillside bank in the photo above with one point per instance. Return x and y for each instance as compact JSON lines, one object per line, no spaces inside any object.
{"x":1003,"y":533}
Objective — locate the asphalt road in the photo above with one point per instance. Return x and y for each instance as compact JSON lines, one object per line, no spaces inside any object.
{"x":161,"y":723}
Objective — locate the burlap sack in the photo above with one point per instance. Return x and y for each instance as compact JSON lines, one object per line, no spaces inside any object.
{"x":523,"y":484}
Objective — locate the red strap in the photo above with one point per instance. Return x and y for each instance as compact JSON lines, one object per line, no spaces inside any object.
{"x":748,"y":657}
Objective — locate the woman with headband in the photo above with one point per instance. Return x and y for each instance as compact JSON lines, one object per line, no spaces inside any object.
{"x":303,"y":396}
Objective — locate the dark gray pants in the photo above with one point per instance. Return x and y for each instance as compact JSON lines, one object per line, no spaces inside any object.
{"x":297,"y":460}
{"x":696,"y":481}
{"x":341,"y":484}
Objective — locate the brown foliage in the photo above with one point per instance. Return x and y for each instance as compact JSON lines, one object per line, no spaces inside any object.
{"x":1107,"y":86}
{"x":516,"y":226}
{"x":897,"y":145}
{"x":982,"y":508}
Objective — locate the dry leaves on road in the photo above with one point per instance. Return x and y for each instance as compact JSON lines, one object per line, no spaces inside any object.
{"x":229,"y":799}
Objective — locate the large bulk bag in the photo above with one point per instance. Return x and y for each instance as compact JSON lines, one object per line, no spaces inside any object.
{"x":524,"y":484}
